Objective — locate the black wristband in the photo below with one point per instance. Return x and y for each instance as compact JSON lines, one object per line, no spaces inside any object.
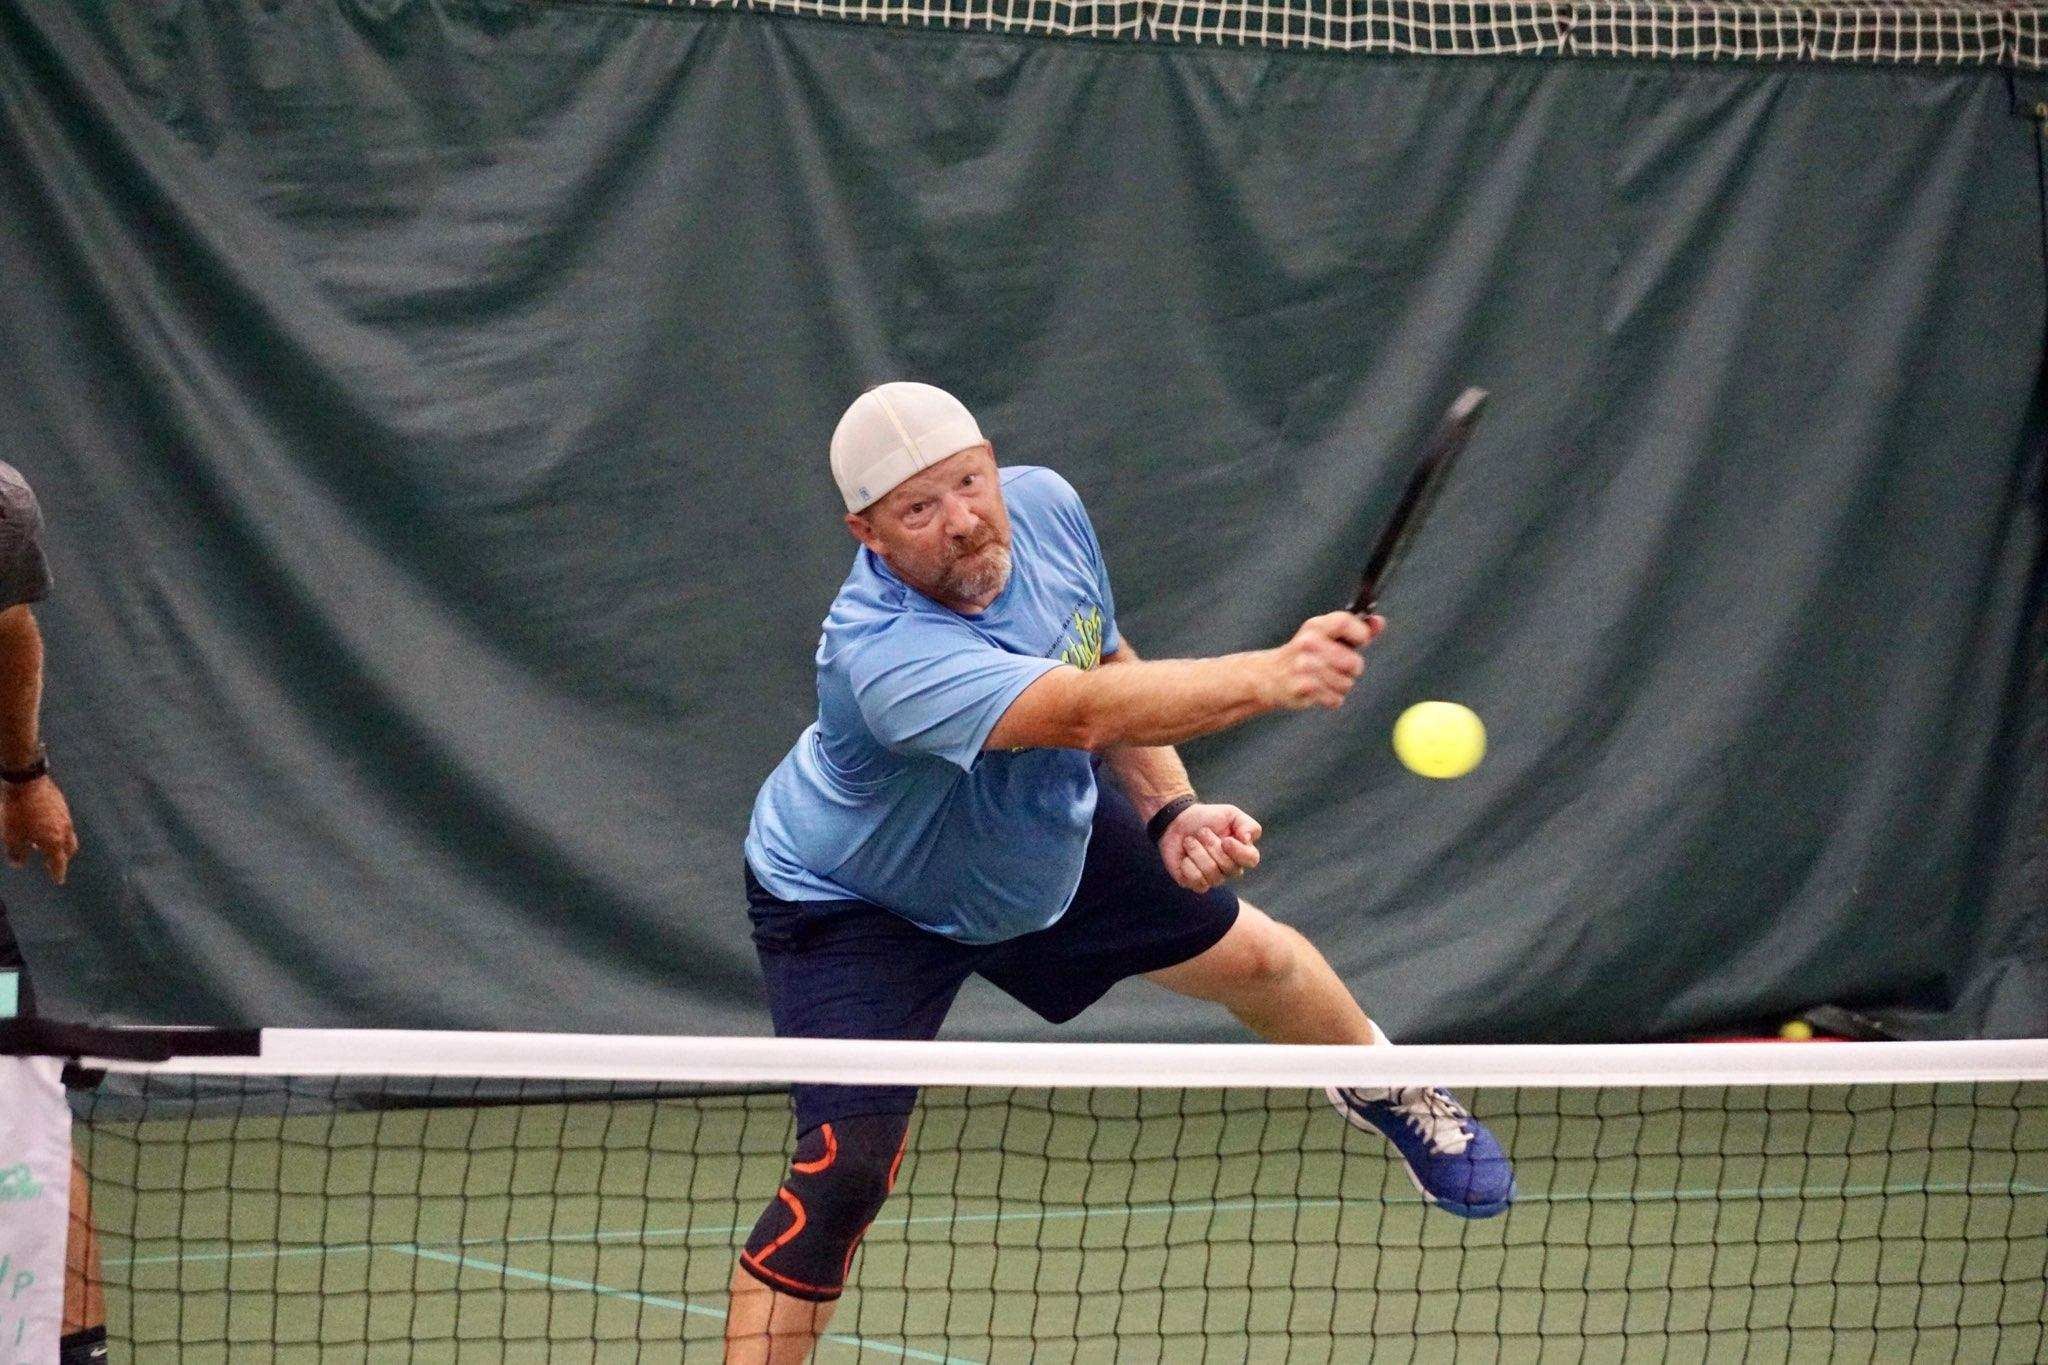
{"x":1155,"y":828}
{"x":20,"y":776}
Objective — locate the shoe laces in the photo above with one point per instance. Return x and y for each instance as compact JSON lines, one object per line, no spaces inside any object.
{"x":1440,"y":1120}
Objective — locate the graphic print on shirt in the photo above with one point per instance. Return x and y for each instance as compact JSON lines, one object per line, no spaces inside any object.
{"x":1080,"y":645}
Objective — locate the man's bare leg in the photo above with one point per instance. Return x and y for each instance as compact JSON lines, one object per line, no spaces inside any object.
{"x":85,"y":1302}
{"x":84,"y":1336}
{"x":1274,"y":981}
{"x":763,"y":1327}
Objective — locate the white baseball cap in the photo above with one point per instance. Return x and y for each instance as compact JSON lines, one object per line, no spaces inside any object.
{"x":892,"y":432}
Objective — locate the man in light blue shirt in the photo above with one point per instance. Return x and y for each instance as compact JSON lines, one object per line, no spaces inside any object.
{"x":944,"y":818}
{"x":889,"y":797}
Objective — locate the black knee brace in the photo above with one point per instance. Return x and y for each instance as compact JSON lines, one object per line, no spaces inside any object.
{"x":843,"y":1170}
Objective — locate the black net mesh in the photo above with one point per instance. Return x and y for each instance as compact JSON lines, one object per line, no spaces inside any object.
{"x":485,"y":1220}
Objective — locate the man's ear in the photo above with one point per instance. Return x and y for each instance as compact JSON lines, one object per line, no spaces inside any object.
{"x":861,"y":531}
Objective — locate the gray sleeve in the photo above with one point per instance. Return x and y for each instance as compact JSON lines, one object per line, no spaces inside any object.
{"x":24,"y":574}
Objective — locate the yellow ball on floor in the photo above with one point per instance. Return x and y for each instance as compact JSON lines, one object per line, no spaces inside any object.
{"x":1439,"y":739}
{"x":1797,"y":1030}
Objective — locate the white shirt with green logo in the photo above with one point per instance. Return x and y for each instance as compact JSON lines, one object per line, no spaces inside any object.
{"x":35,"y":1189}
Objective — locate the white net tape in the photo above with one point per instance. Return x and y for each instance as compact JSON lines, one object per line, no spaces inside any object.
{"x":1915,"y":32}
{"x":746,"y":1060}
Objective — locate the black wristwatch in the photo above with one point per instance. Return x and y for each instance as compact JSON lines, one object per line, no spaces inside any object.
{"x":16,"y":777}
{"x":1155,"y":828}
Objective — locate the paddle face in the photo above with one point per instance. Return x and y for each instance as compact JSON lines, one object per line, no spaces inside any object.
{"x":1452,"y":435}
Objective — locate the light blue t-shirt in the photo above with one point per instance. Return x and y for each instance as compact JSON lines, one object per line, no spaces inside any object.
{"x":889,"y":797}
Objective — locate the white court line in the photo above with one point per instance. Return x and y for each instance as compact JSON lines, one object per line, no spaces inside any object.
{"x":605,"y":1291}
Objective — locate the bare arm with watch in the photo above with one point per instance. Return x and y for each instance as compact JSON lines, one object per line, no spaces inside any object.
{"x":1132,"y":712}
{"x":34,"y":817}
{"x":1202,"y":844}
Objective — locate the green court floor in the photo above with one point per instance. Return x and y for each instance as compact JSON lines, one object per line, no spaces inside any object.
{"x":1898,"y":1224}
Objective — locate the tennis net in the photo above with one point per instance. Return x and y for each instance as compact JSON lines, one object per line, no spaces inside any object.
{"x":495,"y":1196}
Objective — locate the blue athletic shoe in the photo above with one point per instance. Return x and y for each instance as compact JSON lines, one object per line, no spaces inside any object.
{"x":1452,"y":1159}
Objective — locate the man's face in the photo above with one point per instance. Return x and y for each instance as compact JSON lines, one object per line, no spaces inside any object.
{"x":944,"y":531}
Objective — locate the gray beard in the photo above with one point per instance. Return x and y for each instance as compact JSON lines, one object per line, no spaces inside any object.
{"x":984,"y":578}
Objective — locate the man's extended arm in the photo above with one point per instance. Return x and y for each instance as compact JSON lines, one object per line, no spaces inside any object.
{"x":33,"y":814}
{"x":1160,"y":702}
{"x":1150,"y":774}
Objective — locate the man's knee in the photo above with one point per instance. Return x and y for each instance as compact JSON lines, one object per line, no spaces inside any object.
{"x":804,"y":1241}
{"x":1269,"y":955}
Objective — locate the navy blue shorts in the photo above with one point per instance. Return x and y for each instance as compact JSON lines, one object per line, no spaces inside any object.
{"x":848,"y":969}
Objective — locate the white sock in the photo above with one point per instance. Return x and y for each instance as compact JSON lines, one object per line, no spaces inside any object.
{"x":1375,"y":1092}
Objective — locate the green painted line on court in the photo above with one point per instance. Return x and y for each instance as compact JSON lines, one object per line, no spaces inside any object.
{"x":1070,"y":1213}
{"x":606,"y":1291}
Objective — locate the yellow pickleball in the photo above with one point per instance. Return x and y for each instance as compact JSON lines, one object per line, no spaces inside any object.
{"x":1439,"y":739}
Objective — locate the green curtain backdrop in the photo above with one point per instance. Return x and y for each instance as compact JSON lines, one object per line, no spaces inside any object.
{"x":429,"y":404}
